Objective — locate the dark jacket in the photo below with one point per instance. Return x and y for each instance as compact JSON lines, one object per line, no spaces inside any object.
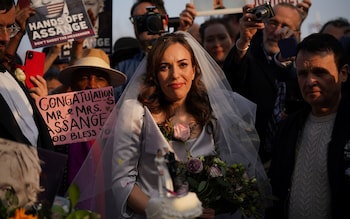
{"x":9,"y":128}
{"x":254,"y":78}
{"x":283,"y":161}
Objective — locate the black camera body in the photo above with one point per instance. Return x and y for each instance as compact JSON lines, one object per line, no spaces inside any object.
{"x":152,"y":22}
{"x":262,"y":11}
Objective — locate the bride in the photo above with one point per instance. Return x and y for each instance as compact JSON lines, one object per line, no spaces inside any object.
{"x":179,"y":98}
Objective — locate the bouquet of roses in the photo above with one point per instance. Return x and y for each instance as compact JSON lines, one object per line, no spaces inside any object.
{"x":225,"y":188}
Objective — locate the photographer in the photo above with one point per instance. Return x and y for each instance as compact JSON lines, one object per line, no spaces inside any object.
{"x":143,"y":35}
{"x":255,"y":69}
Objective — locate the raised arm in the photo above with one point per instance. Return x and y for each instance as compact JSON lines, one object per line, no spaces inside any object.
{"x":187,"y":17}
{"x":22,"y":16}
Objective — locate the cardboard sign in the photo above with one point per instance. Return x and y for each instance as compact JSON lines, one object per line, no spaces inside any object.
{"x":103,"y":38}
{"x":215,"y":7}
{"x":54,"y":23}
{"x":76,"y":116}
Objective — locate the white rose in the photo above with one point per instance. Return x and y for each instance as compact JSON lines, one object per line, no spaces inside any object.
{"x":20,"y":75}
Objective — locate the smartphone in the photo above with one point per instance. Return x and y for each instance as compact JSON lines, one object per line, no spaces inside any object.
{"x":288,"y":47}
{"x":33,"y":65}
{"x":23,"y":3}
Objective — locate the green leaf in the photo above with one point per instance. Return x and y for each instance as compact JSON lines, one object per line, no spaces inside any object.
{"x":202,"y":186}
{"x":11,"y":198}
{"x":74,"y":195}
{"x":79,"y":214}
{"x":58,"y":210}
{"x":222,"y":182}
{"x":95,"y":216}
{"x":83,"y":214}
{"x":193,"y":183}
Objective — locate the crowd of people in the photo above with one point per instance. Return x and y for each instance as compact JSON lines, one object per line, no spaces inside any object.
{"x":249,"y":90}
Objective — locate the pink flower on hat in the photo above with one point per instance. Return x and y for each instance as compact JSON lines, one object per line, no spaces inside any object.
{"x":182,"y":131}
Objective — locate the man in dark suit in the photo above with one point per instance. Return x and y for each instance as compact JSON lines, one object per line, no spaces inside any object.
{"x":20,"y":120}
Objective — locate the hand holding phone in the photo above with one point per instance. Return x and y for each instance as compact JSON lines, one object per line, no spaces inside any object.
{"x":34,"y":65}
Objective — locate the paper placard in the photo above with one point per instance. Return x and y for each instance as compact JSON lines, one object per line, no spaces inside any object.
{"x":58,"y":22}
{"x":76,"y":116}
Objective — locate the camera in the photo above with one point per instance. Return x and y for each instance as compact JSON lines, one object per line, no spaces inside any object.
{"x":262,"y":11}
{"x":152,"y":22}
{"x":30,"y":55}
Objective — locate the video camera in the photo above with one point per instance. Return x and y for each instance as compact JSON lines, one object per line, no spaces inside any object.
{"x":262,"y":11}
{"x":152,"y":22}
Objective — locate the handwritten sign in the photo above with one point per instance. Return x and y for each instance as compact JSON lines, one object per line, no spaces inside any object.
{"x":76,"y":116}
{"x":56,"y":23}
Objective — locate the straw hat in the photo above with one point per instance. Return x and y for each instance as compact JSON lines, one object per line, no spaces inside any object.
{"x":94,"y":59}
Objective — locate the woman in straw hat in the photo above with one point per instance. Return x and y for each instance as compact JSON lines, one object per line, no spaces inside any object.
{"x":91,"y":71}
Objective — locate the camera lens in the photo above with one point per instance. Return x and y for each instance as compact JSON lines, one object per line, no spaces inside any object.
{"x":154,"y":24}
{"x":30,"y":55}
{"x":261,"y":14}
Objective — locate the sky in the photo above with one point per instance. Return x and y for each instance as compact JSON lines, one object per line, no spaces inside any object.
{"x":320,"y":12}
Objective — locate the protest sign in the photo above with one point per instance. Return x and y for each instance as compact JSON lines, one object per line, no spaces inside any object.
{"x":273,"y":2}
{"x":59,"y":22}
{"x":76,"y":116}
{"x":216,"y":7}
{"x":102,"y":28}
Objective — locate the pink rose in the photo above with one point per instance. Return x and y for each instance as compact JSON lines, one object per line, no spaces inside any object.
{"x":215,"y":172}
{"x":182,"y":131}
{"x":194,"y":165}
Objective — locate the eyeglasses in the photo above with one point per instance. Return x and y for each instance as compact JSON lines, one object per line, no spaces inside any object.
{"x":273,"y":25}
{"x":11,"y":30}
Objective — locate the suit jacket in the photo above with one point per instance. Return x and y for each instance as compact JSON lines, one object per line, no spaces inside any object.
{"x":9,"y":128}
{"x":51,"y":172}
{"x":254,"y":78}
{"x":170,"y":157}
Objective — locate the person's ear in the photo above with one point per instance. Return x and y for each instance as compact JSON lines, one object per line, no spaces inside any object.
{"x":297,"y":35}
{"x":344,"y":73}
{"x":194,"y":72}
